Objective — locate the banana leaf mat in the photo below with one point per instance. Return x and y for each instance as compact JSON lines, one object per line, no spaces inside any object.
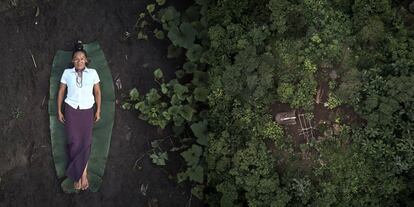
{"x":102,"y":130}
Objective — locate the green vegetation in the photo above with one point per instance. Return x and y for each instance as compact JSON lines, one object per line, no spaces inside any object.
{"x":180,"y":102}
{"x":241,"y":56}
{"x":17,"y":113}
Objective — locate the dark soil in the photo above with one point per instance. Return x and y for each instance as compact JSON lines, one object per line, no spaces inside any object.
{"x":27,"y":173}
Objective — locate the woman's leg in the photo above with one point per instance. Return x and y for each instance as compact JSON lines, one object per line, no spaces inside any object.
{"x":73,"y":143}
{"x":88,"y":140}
{"x":84,"y":178}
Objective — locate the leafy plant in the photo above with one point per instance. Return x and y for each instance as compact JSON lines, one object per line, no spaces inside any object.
{"x":179,"y":102}
{"x":333,"y":101}
{"x":159,"y":158}
{"x":182,"y":36}
{"x":195,"y":171}
{"x":17,"y":113}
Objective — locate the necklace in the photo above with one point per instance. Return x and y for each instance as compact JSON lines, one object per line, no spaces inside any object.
{"x":79,"y":79}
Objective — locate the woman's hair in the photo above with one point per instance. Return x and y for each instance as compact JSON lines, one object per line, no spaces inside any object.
{"x":79,"y":48}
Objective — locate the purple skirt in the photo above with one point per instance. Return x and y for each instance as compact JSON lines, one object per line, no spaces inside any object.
{"x":78,"y":128}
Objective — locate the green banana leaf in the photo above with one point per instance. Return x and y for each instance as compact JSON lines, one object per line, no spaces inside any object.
{"x":102,"y":130}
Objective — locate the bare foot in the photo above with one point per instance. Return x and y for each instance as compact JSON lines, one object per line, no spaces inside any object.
{"x":77,"y":185}
{"x":84,"y":178}
{"x":84,"y":182}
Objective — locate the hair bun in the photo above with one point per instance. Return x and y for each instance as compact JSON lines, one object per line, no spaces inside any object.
{"x":78,"y":45}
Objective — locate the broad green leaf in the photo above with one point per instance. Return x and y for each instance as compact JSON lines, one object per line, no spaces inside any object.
{"x":178,"y":120}
{"x":164,"y":88}
{"x":166,"y":115}
{"x":200,"y":131}
{"x":141,"y":15}
{"x":173,"y":82}
{"x":169,"y":15}
{"x":187,"y":112}
{"x":192,"y":155}
{"x":150,"y":8}
{"x":180,"y":90}
{"x":190,"y":67}
{"x":196,"y":173}
{"x":152,"y":96}
{"x":175,"y":100}
{"x":139,"y":105}
{"x":160,"y":2}
{"x":159,"y":158}
{"x":134,"y":94}
{"x":201,"y":93}
{"x":159,"y":34}
{"x":162,"y":123}
{"x":126,"y":106}
{"x":158,"y":73}
{"x":155,"y":143}
{"x":173,"y":110}
{"x":202,"y":141}
{"x":142,"y":36}
{"x":194,"y":53}
{"x":182,"y":36}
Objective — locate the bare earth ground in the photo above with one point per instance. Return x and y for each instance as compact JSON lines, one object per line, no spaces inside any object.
{"x":27,"y":174}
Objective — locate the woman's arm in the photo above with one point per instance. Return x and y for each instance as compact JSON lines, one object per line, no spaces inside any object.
{"x":97,"y":93}
{"x":61,"y":93}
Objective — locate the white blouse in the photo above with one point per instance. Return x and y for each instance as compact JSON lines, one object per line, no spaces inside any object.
{"x":80,"y":94}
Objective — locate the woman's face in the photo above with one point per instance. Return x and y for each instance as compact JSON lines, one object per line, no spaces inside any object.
{"x":79,"y":60}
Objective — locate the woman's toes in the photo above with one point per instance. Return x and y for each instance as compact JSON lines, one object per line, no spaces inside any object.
{"x":76,"y":185}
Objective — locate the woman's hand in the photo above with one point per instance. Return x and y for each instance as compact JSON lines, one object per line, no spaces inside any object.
{"x":97,"y":116}
{"x":61,"y":117}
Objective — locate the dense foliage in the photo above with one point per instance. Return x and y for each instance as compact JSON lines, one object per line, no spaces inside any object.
{"x":265,"y":51}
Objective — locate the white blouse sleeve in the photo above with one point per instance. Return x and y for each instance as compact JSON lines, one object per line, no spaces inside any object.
{"x":96,"y":79}
{"x":63,"y":79}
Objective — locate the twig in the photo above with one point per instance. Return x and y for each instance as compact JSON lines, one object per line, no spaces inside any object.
{"x":43,"y":102}
{"x":34,"y":62}
{"x":136,"y":162}
{"x":37,"y":11}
